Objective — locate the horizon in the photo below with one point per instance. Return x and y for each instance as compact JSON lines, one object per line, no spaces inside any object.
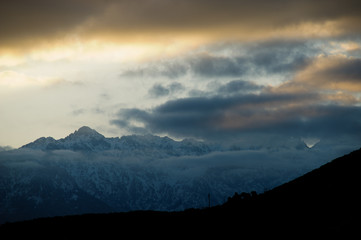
{"x":229,"y":71}
{"x":309,"y":142}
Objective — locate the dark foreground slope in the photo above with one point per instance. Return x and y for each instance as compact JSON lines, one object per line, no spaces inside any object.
{"x":324,"y":202}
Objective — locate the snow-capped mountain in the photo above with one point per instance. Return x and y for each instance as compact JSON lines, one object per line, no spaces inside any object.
{"x":86,"y":172}
{"x":86,"y":139}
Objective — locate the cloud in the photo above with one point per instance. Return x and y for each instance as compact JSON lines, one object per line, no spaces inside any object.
{"x":215,"y":66}
{"x":281,"y":56}
{"x":78,"y":112}
{"x":25,"y":24}
{"x":15,"y":79}
{"x":22,"y":22}
{"x":336,"y":72}
{"x":236,"y":87}
{"x":158,"y":90}
{"x":249,"y":18}
{"x":256,"y":58}
{"x":227,"y":118}
{"x":220,"y":51}
{"x":231,"y":60}
{"x":348,"y":69}
{"x":201,"y":65}
{"x":170,"y":68}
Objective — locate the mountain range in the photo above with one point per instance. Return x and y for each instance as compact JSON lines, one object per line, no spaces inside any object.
{"x":322,"y":203}
{"x":86,"y":172}
{"x":86,"y":139}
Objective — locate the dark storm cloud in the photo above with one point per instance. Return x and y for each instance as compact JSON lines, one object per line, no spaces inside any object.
{"x":270,"y":114}
{"x":185,"y":116}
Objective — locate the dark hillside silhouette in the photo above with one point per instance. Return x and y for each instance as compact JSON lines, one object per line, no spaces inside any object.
{"x":323,"y":202}
{"x":326,"y":201}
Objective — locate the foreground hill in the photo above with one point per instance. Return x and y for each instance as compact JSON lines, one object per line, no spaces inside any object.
{"x":324,"y":202}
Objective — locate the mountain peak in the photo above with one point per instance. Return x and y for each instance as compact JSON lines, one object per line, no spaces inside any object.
{"x":86,"y":131}
{"x":40,"y":143}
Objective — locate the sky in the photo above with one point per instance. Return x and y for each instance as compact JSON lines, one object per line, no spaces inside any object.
{"x":229,"y":71}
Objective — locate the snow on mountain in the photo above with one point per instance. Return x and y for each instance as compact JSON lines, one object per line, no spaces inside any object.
{"x":87,"y":172}
{"x":88,"y":140}
{"x":41,"y":143}
{"x":84,"y":139}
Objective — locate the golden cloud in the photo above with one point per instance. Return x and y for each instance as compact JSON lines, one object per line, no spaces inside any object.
{"x":14,"y":79}
{"x":27,"y":25}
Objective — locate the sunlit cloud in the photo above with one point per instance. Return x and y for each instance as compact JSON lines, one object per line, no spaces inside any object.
{"x":19,"y":80}
{"x":345,"y":46}
{"x":310,"y":30}
{"x":10,"y":60}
